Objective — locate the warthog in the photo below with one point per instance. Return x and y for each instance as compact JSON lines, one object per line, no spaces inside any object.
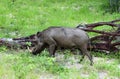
{"x":60,"y":37}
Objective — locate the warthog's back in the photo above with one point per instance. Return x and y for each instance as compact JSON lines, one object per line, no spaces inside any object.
{"x":66,"y":37}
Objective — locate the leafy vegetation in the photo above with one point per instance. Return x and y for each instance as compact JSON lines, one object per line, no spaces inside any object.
{"x":113,"y":6}
{"x":22,"y":18}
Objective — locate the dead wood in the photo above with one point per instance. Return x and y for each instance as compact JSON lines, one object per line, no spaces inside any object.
{"x":104,"y":41}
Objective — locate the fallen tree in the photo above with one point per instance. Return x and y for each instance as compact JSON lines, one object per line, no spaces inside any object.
{"x":105,"y":41}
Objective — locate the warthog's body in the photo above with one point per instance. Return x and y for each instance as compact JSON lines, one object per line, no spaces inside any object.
{"x":60,"y":37}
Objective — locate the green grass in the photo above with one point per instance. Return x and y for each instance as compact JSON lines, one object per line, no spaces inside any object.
{"x":23,"y":18}
{"x":23,"y":65}
{"x":37,"y":15}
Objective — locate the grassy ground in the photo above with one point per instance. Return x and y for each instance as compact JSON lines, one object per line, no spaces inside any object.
{"x":23,"y":18}
{"x":23,"y":65}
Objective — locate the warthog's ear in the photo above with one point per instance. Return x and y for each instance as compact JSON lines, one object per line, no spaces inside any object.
{"x":39,"y":34}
